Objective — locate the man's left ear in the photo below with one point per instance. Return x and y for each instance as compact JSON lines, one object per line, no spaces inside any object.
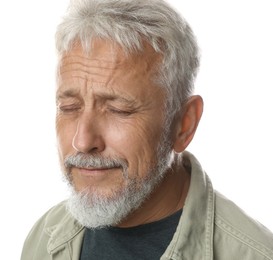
{"x":187,"y":122}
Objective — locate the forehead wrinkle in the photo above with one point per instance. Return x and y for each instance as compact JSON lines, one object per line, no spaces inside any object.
{"x":86,"y":68}
{"x":87,"y":76}
{"x":90,"y":61}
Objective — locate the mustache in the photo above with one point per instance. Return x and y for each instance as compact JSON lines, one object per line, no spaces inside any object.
{"x":81,"y":160}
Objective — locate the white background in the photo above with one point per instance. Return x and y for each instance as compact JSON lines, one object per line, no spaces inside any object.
{"x":234,"y":141}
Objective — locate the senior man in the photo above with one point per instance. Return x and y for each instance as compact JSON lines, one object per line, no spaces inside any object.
{"x":125,"y":115}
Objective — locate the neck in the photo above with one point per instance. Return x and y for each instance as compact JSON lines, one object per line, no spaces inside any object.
{"x":167,"y":198}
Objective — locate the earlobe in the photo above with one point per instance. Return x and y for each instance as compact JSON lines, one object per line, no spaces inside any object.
{"x":187,"y":122}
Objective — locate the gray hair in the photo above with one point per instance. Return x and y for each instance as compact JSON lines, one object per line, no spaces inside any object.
{"x":129,"y":23}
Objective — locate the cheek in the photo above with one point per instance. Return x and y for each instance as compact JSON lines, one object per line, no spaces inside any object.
{"x":137,"y":143}
{"x":130,"y":135}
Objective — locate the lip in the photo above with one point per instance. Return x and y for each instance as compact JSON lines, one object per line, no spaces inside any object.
{"x":89,"y":172}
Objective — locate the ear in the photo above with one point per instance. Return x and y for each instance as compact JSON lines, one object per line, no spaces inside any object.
{"x":187,"y":122}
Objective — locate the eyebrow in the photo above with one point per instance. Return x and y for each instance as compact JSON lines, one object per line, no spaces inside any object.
{"x":115,"y":97}
{"x":66,"y":94}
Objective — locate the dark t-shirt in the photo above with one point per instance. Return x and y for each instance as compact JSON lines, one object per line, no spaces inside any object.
{"x":147,"y":241}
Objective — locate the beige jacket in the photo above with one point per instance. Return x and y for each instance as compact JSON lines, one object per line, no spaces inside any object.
{"x":211,"y":227}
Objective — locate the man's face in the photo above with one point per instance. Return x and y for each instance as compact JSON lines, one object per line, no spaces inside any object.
{"x":109,"y":108}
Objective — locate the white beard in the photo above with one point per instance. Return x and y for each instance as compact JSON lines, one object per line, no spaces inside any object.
{"x":93,"y":209}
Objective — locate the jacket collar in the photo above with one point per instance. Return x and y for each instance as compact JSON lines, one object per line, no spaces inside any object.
{"x":63,"y":232}
{"x":193,"y":238}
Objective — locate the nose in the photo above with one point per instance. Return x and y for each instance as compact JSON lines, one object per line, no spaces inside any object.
{"x":88,"y":137}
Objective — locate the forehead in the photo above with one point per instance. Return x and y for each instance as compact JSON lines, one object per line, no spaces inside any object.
{"x":106,"y":54}
{"x":107,"y":65}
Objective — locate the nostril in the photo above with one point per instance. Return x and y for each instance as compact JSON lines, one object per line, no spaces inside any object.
{"x":88,"y":142}
{"x":88,"y":146}
{"x":88,"y":136}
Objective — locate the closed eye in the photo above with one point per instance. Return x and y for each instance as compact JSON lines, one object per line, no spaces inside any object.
{"x":69,"y":108}
{"x":120,"y":111}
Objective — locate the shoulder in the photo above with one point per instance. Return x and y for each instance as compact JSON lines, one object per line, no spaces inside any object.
{"x":236,"y":232}
{"x":52,"y":217}
{"x":38,"y":241}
